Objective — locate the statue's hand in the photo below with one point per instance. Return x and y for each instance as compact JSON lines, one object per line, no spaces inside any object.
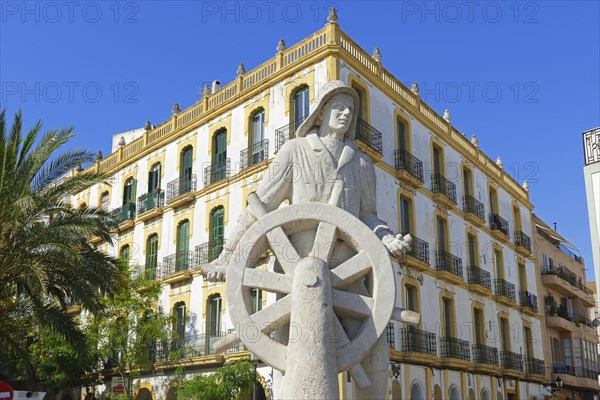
{"x":215,"y":271}
{"x":397,"y":245}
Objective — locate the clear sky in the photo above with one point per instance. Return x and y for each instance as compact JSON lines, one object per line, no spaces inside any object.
{"x":524,"y":76}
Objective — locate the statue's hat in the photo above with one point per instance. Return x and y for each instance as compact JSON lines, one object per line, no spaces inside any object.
{"x":327,"y":91}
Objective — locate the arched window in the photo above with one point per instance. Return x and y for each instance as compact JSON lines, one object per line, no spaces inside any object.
{"x":416,"y":392}
{"x":129,"y":191}
{"x":219,"y":156}
{"x":154,"y":178}
{"x":485,"y":395}
{"x":258,"y":150}
{"x":183,"y":259}
{"x":217,"y":232}
{"x":104,"y":200}
{"x":185,"y":170}
{"x":151,"y":256}
{"x":406,"y":222}
{"x":454,"y":393}
{"x":214,"y":316}
{"x":300,"y":108}
{"x":179,"y":312}
{"x":125,"y":252}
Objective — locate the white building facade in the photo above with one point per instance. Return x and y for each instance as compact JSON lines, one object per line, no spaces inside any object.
{"x":178,"y":188}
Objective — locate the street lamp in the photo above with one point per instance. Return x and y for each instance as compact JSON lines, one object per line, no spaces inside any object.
{"x":396,"y":370}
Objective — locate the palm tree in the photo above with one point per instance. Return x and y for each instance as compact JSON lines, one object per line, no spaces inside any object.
{"x":46,"y":262}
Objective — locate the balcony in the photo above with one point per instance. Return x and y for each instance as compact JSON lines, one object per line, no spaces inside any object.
{"x":418,"y":256}
{"x":368,"y":135}
{"x":505,"y":290}
{"x":286,"y":133}
{"x":534,"y":366}
{"x":455,"y":348}
{"x":124,"y":216}
{"x":483,"y":354}
{"x":479,"y":276}
{"x":178,"y":262}
{"x":511,"y":361}
{"x":445,"y":261}
{"x":528,"y":300}
{"x":191,"y":346}
{"x":499,"y":224}
{"x":146,"y":271}
{"x":181,"y":191}
{"x":418,"y":341}
{"x":565,"y":282}
{"x":410,"y":168}
{"x":576,"y":376}
{"x":254,"y":154}
{"x":150,"y":205}
{"x":474,"y":210}
{"x":217,"y":172}
{"x":444,"y":191}
{"x":209,"y":251}
{"x":523,"y":243}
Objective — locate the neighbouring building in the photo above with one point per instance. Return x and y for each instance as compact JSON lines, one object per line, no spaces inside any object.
{"x":569,"y":314}
{"x":179,"y":186}
{"x":591,"y":173}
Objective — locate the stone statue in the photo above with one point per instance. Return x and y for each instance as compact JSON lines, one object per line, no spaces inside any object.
{"x":322,"y":165}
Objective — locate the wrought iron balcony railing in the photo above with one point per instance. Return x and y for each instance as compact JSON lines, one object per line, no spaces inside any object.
{"x":150,"y":201}
{"x":419,"y":249}
{"x":418,"y":341}
{"x":445,"y":261}
{"x":217,"y":172}
{"x":473,"y":206}
{"x":407,"y":162}
{"x":535,"y":366}
{"x":511,"y":360}
{"x":124,"y":213}
{"x":180,"y":261}
{"x":209,"y":251}
{"x":390,"y":335}
{"x":286,"y":133}
{"x":190,"y":346}
{"x":591,"y":146}
{"x":185,"y":184}
{"x":499,"y":223}
{"x":455,"y":348}
{"x":479,"y":276}
{"x":483,"y":354}
{"x":528,"y":300}
{"x":439,"y":184}
{"x":369,"y":135}
{"x":145,"y":271}
{"x":254,"y":154}
{"x":561,"y":272}
{"x":506,"y":289}
{"x":521,"y":239}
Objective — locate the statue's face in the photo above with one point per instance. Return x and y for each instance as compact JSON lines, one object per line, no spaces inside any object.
{"x":337,"y":113}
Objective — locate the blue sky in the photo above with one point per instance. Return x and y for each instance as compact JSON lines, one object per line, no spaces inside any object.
{"x":523,"y":76}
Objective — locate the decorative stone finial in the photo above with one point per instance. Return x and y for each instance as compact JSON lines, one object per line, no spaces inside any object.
{"x":332,"y":17}
{"x":376,"y":54}
{"x":241,"y":70}
{"x":474,"y":140}
{"x":447,"y":115}
{"x":148,"y":126}
{"x":499,"y":162}
{"x":415,"y":88}
{"x":99,"y":155}
{"x":526,"y":185}
{"x":281,"y":45}
{"x":122,"y":141}
{"x":79,"y":168}
{"x":176,"y":109}
{"x":206,"y":91}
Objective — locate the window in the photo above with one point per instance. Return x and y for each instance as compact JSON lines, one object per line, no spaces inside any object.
{"x":504,"y":335}
{"x":447,"y":318}
{"x":257,"y":135}
{"x":301,"y":110}
{"x":214,"y":315}
{"x":411,"y":300}
{"x":493,"y":201}
{"x":129,"y":191}
{"x":179,"y":324}
{"x":185,"y":171}
{"x":437,"y":160}
{"x":104,"y":199}
{"x":522,"y":277}
{"x":361,"y":102}
{"x":154,"y":178}
{"x":517,"y":218}
{"x":473,"y":260}
{"x":219,"y":155}
{"x":498,"y":264}
{"x":183,"y":246}
{"x":125,"y":253}
{"x":467,"y":182}
{"x":217,"y":232}
{"x":478,"y":326}
{"x":442,"y":242}
{"x":567,"y":352}
{"x":256,"y":299}
{"x":528,"y":339}
{"x":151,"y":256}
{"x":405,"y":215}
{"x":401,"y":133}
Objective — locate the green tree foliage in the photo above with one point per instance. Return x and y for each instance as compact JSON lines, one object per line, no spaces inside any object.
{"x":46,"y":263}
{"x":233,"y":381}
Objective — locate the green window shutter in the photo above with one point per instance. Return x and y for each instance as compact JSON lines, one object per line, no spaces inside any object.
{"x":401,"y":135}
{"x":472,"y":260}
{"x":220,"y":149}
{"x":437,"y":167}
{"x":441,"y":234}
{"x":133,"y":191}
{"x":183,"y":245}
